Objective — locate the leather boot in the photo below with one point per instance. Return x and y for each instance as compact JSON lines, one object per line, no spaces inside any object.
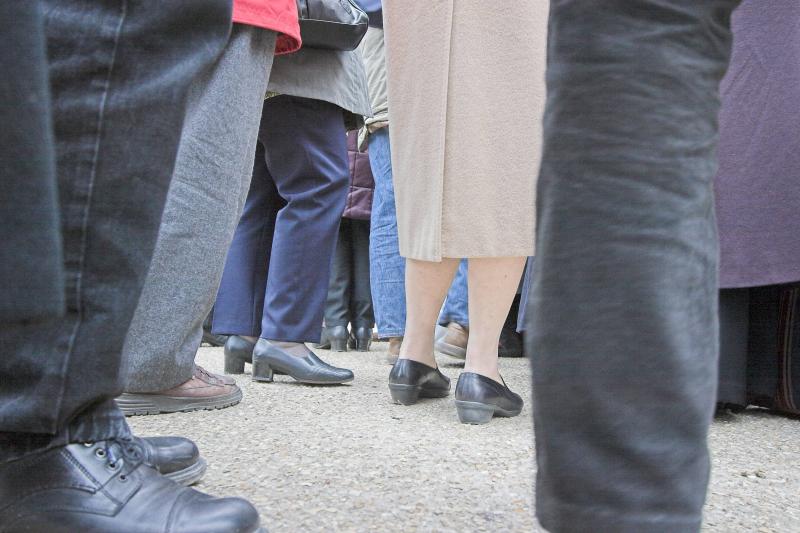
{"x":107,"y":486}
{"x":361,"y":339}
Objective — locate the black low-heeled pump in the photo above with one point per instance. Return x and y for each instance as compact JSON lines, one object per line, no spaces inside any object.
{"x":409,"y":381}
{"x":269,"y":359}
{"x":238,"y":351}
{"x":479,"y":399}
{"x":338,"y":337}
{"x":361,"y":339}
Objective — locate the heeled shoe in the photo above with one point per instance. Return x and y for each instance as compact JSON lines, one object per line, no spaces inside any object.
{"x":361,"y":339}
{"x":238,"y":351}
{"x":409,"y":381}
{"x":479,"y":399}
{"x":269,"y":359}
{"x":337,"y":338}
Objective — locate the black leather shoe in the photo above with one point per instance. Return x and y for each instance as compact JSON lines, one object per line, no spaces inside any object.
{"x":337,"y":337}
{"x":269,"y":359}
{"x":479,"y":398}
{"x":410,"y":381}
{"x":107,"y":486}
{"x":174,"y":457}
{"x":238,"y":351}
{"x":361,"y":339}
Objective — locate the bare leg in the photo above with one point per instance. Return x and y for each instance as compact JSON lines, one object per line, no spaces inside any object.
{"x":493,"y":282}
{"x":426,"y":287}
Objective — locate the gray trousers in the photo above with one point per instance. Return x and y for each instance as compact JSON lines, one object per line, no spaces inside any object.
{"x":209,"y":186}
{"x":623,"y":331}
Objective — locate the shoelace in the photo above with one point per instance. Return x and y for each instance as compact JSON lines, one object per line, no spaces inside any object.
{"x":203,"y":372}
{"x":119,"y":451}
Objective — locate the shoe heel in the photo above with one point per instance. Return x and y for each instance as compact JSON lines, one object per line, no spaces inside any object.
{"x":262,"y":371}
{"x":362,"y":345}
{"x":404,"y":394}
{"x":339,"y":345}
{"x":233,"y":364}
{"x":474,"y":412}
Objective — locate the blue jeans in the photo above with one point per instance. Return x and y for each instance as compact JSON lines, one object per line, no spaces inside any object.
{"x":387,"y":270}
{"x":455,"y":306}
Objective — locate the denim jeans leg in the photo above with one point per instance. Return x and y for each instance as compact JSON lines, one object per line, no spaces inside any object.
{"x":119,"y":74}
{"x":623,"y":333}
{"x":456,"y":308}
{"x":387,"y":267}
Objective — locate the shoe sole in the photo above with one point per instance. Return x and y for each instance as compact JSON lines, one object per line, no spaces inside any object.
{"x":152,"y":404}
{"x":189,"y":475}
{"x":338,"y":345}
{"x":304,"y":381}
{"x":410,"y":394}
{"x":477,"y":413}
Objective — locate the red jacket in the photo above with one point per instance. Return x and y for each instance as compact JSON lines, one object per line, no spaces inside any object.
{"x":277,"y":15}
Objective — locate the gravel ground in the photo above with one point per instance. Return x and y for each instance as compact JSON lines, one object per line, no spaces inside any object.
{"x":347,"y":459}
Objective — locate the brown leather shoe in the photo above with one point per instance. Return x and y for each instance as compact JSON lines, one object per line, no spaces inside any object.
{"x":394,"y":349}
{"x":454,"y":341}
{"x":203,"y":391}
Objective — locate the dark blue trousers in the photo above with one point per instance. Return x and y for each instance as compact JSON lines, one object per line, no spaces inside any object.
{"x":276,"y":275}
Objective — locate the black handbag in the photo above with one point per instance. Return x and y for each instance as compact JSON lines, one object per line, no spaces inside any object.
{"x":331,"y":24}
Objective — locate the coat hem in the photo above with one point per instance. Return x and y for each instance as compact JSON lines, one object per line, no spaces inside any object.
{"x":744,"y":282}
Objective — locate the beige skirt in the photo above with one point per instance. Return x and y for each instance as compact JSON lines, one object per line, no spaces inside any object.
{"x":466,"y":96}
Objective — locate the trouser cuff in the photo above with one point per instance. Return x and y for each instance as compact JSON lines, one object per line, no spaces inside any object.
{"x":102,"y":421}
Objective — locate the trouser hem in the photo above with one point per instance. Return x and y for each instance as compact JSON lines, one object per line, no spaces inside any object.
{"x":559,"y":517}
{"x":100,"y":422}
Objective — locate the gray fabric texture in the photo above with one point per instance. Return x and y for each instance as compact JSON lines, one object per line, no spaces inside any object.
{"x":335,"y":77}
{"x":210,"y":183}
{"x":623,"y":331}
{"x":374,"y":54}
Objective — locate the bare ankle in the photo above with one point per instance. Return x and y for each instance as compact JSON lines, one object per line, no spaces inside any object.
{"x":425,"y":359}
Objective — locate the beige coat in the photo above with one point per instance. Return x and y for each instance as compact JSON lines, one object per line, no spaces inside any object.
{"x":466,"y":95}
